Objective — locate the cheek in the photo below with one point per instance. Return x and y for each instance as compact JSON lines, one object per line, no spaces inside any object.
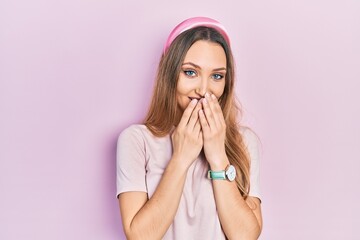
{"x":219,"y":90}
{"x":181,"y":98}
{"x":183,"y":86}
{"x":183,"y":90}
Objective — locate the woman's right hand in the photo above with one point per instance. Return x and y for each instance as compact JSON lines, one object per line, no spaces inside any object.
{"x":139,"y":213}
{"x":187,"y":138}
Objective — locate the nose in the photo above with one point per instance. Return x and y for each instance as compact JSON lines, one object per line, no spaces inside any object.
{"x":202,"y":87}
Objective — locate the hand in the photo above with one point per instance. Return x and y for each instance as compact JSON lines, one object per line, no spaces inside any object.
{"x":214,"y":131}
{"x":187,"y":139}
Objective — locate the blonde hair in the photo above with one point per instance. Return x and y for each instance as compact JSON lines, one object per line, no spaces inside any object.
{"x":163,"y":109}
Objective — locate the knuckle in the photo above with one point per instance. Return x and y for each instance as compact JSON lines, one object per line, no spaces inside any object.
{"x":188,"y":132}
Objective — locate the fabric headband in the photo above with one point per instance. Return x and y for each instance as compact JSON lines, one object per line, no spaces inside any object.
{"x":196,"y":22}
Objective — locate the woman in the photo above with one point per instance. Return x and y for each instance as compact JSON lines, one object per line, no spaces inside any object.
{"x":190,"y":172}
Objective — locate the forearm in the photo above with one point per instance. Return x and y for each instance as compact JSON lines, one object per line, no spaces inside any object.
{"x":155,"y":217}
{"x":237,"y":219}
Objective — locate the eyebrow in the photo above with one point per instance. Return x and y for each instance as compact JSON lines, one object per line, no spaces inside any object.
{"x":198,"y":67}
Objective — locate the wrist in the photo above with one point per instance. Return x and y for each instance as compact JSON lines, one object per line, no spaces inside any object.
{"x":219,"y":164}
{"x":179,"y":163}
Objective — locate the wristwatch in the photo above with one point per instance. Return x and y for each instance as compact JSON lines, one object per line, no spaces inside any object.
{"x":229,"y":173}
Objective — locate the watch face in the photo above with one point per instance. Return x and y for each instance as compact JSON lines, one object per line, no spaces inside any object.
{"x":231,"y":173}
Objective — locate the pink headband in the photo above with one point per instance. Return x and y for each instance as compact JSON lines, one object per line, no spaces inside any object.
{"x":196,"y":22}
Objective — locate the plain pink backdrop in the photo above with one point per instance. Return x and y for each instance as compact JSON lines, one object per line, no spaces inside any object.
{"x":73,"y":74}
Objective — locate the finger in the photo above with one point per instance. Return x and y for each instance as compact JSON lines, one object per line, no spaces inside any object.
{"x":194,"y":116}
{"x":200,"y":137}
{"x":212,"y":105}
{"x":208,"y":112}
{"x":197,"y":126}
{"x":217,"y":110}
{"x":187,"y":113}
{"x":204,"y":122}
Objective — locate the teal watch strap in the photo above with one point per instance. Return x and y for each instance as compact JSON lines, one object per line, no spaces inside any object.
{"x":220,"y":175}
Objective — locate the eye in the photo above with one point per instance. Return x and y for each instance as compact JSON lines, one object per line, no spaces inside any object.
{"x":190,"y":73}
{"x":217,"y":76}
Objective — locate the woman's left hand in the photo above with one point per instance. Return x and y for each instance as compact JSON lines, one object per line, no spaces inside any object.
{"x":214,"y":132}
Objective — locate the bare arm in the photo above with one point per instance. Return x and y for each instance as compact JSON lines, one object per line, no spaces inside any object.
{"x":145,"y":218}
{"x":239,"y":219}
{"x":150,"y":219}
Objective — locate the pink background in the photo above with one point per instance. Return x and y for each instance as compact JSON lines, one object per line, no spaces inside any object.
{"x":73,"y":74}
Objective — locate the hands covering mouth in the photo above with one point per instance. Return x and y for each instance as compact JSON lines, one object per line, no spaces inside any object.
{"x":202,"y":126}
{"x":199,"y":99}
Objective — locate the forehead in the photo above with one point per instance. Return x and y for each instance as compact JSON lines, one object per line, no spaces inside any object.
{"x":206,"y":54}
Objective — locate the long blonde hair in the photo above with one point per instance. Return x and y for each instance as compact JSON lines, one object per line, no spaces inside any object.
{"x":163,"y":109}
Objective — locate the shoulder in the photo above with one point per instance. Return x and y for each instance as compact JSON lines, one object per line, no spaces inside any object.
{"x":136,"y":131}
{"x":252,"y":143}
{"x":132,"y":134}
{"x":131,"y":141}
{"x":249,"y":136}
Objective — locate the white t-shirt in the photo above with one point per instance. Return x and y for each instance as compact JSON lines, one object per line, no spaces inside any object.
{"x":141,"y":161}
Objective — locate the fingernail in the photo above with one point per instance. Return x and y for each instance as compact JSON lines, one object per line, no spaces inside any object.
{"x":204,"y":100}
{"x":194,"y":101}
{"x":213,"y":96}
{"x":207,"y":95}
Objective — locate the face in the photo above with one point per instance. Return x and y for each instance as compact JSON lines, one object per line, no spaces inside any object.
{"x":203,"y":70}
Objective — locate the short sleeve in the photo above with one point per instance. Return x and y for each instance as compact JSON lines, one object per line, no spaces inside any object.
{"x":252,"y":143}
{"x":130,"y":161}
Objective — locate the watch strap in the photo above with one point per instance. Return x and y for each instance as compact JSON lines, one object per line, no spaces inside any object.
{"x":216,"y":175}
